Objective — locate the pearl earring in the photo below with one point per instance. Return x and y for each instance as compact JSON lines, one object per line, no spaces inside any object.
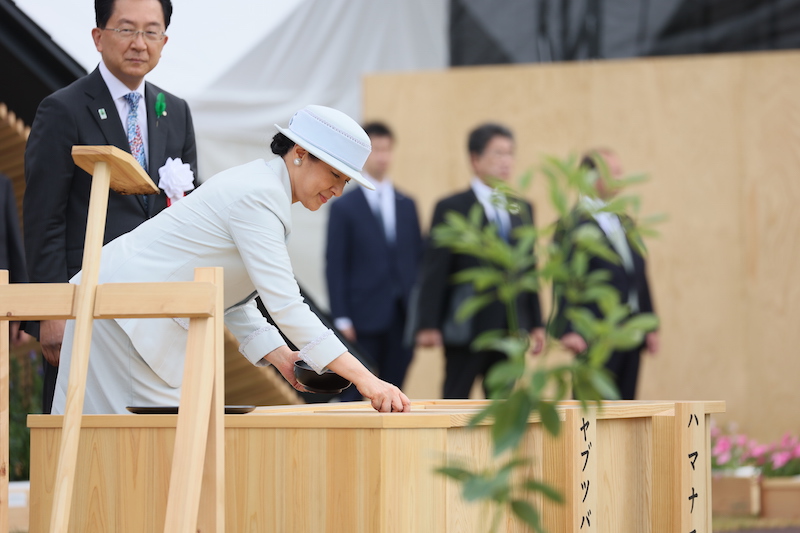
{"x":297,"y":161}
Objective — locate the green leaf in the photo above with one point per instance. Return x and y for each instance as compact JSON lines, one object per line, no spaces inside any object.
{"x":488,"y":340}
{"x":626,"y":338}
{"x":527,"y":513}
{"x":505,"y":373}
{"x":472,"y":305}
{"x":579,"y":263}
{"x":511,"y":421}
{"x":539,"y":381}
{"x":604,"y":384}
{"x":481,"y":277}
{"x":506,"y":469}
{"x":549,"y":492}
{"x":459,"y":474}
{"x":486,"y":486}
{"x":550,"y":420}
{"x":583,"y":321}
{"x":526,"y":179}
{"x":644,"y":322}
{"x":487,"y":411}
{"x":557,"y":196}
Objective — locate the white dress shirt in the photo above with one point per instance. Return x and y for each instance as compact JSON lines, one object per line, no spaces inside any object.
{"x":492,"y":203}
{"x":612,"y":227}
{"x":381,"y":201}
{"x":118,"y":91}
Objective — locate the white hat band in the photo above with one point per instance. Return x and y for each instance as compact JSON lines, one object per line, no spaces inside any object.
{"x":340,"y":145}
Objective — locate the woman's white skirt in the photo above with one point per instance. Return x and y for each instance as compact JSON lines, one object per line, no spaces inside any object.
{"x":118,"y":377}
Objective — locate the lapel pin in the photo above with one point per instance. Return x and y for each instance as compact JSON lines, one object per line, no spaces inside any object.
{"x":102,"y":113}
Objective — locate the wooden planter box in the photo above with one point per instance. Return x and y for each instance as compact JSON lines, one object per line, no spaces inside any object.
{"x":780,"y":497}
{"x":735,"y":496}
{"x":633,"y":467}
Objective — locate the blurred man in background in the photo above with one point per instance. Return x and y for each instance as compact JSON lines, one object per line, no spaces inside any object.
{"x":491,"y":155}
{"x":373,"y":252}
{"x":628,"y":276}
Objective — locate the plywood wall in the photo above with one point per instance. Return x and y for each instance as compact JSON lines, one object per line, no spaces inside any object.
{"x":719,"y":137}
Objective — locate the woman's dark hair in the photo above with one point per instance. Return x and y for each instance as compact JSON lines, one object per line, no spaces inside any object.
{"x":378,"y":129}
{"x":479,"y":137}
{"x":104,"y":8}
{"x":281,"y":145}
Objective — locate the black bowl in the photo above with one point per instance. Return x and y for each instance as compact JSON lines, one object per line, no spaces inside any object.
{"x":328,"y":382}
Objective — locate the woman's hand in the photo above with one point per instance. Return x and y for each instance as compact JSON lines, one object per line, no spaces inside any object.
{"x":283,"y":359}
{"x":384,"y":396}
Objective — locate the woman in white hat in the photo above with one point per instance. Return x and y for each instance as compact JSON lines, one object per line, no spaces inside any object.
{"x":239,"y":220}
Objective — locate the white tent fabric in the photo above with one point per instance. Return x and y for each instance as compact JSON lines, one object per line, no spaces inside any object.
{"x":244,"y":66}
{"x":318,"y":55}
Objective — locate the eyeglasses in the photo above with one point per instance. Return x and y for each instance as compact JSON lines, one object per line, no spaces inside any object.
{"x":130,"y":35}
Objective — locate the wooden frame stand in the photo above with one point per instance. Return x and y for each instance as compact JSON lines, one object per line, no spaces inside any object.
{"x":198,"y":466}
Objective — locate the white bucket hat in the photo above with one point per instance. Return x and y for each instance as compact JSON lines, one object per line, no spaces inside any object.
{"x":333,"y":137}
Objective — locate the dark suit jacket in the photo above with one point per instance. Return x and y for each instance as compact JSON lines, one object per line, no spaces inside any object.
{"x":621,"y":280}
{"x":56,"y":202}
{"x":12,"y":254}
{"x":440,"y":264}
{"x":366,"y":276}
{"x":57,"y":192}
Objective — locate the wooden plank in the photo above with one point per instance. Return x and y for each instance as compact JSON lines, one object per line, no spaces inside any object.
{"x":692,"y":465}
{"x":154,"y":300}
{"x":212,"y":493}
{"x":4,"y":425}
{"x":127,"y":176}
{"x":665,"y":484}
{"x":193,"y":422}
{"x":37,"y":301}
{"x":580,"y":434}
{"x":79,"y":364}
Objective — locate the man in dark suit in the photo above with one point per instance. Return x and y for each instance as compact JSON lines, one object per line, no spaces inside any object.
{"x":111,"y":106}
{"x":628,"y":277}
{"x":373,"y":253}
{"x":491,"y":153}
{"x":12,"y":254}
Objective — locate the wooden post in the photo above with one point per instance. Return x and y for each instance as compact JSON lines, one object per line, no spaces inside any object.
{"x":129,"y":178}
{"x":692,"y":467}
{"x":212,"y":494}
{"x":194,"y":443}
{"x":4,"y":425}
{"x":79,"y":365}
{"x":580,"y":434}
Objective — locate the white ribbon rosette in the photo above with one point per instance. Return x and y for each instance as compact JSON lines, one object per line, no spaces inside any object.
{"x":175,"y":178}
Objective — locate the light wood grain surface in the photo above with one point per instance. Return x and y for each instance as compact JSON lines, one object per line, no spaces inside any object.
{"x":285,"y":475}
{"x":717,"y":135}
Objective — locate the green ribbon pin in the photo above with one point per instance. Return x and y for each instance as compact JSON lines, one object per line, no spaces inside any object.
{"x":161,"y":105}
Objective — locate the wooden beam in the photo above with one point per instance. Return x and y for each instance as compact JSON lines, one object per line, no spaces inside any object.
{"x":127,"y":175}
{"x":79,"y":362}
{"x":37,"y":301}
{"x":188,"y":299}
{"x":191,"y":434}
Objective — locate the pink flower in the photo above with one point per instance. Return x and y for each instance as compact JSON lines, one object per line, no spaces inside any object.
{"x":723,"y":458}
{"x":759,"y":452}
{"x":723,"y":446}
{"x":779,"y":459}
